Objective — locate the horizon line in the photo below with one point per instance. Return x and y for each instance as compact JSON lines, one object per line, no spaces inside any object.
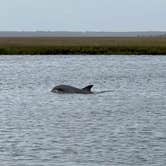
{"x":83,"y":31}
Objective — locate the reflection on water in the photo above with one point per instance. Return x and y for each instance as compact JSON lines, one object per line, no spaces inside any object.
{"x":126,"y":126}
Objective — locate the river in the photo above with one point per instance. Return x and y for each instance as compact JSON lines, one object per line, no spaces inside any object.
{"x":123,"y":127}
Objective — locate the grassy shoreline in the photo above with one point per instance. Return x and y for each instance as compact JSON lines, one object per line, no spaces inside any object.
{"x":84,"y":45}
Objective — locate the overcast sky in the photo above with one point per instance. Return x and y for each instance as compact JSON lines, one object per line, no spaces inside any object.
{"x":83,"y":15}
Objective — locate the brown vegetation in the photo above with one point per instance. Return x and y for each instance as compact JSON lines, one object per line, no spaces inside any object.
{"x":86,"y":45}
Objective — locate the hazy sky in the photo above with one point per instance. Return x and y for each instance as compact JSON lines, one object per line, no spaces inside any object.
{"x":83,"y":15}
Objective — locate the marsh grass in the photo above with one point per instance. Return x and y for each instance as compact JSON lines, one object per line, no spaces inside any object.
{"x":87,"y":45}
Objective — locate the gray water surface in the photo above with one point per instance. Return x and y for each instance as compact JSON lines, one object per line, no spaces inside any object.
{"x":124,"y":127}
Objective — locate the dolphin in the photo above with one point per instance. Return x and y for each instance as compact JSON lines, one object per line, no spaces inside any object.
{"x":71,"y":89}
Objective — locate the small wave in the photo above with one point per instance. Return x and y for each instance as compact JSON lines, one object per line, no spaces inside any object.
{"x":105,"y":91}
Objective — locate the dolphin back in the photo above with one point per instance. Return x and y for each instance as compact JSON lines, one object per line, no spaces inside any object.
{"x":87,"y":88}
{"x":71,"y":89}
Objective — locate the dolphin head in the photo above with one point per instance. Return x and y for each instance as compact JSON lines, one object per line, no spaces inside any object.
{"x":58,"y":89}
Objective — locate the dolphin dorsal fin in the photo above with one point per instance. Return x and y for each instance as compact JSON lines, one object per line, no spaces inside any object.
{"x":87,"y":88}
